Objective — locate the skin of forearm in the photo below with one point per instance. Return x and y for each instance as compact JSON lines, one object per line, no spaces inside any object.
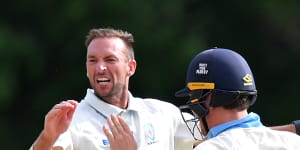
{"x":288,"y":127}
{"x":43,"y":142}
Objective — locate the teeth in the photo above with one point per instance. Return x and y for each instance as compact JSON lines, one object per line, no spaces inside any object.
{"x":102,"y":79}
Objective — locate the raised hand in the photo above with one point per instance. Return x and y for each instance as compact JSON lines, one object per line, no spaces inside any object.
{"x":119,"y":135}
{"x":57,"y":121}
{"x":59,"y":118}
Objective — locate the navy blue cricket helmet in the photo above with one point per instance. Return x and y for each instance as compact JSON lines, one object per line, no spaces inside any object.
{"x":223,"y":72}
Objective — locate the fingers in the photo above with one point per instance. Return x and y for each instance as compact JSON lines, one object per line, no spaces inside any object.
{"x":59,"y":117}
{"x":63,"y":109}
{"x":115,"y":125}
{"x":124,"y":125}
{"x":119,"y":134}
{"x":107,"y":133}
{"x":72,"y":109}
{"x":118,"y":127}
{"x":112,"y":128}
{"x":69,"y":104}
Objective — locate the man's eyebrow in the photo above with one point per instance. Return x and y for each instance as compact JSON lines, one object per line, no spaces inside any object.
{"x":89,"y":56}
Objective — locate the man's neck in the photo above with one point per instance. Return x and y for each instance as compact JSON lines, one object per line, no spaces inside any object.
{"x":221,"y":115}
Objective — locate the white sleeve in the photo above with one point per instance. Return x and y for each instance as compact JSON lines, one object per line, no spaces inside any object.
{"x":31,"y":148}
{"x":183,"y":138}
{"x":64,"y":142}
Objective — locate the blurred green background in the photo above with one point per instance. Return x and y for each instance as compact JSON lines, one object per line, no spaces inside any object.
{"x":43,"y":55}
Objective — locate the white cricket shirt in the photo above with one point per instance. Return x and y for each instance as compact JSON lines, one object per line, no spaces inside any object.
{"x":254,"y":138}
{"x":156,"y":125}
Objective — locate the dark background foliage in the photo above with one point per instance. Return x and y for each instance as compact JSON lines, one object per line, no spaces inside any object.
{"x":42,"y":52}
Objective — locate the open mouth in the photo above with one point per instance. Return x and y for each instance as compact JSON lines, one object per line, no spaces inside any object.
{"x":103,"y":80}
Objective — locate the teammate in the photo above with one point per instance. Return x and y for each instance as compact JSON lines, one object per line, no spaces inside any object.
{"x":221,"y":88}
{"x":99,"y":119}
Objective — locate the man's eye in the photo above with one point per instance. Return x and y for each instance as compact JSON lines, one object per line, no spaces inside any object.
{"x":111,"y":60}
{"x":91,"y":60}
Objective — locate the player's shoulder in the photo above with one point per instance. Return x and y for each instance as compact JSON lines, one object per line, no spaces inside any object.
{"x":211,"y":144}
{"x":157,"y":102}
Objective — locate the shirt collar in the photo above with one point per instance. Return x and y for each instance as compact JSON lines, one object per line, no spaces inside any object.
{"x":251,"y":120}
{"x":107,"y":109}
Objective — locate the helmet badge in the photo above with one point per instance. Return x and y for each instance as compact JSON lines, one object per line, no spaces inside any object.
{"x":247,"y":80}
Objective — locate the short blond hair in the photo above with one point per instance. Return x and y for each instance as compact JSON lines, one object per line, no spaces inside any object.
{"x":110,"y":32}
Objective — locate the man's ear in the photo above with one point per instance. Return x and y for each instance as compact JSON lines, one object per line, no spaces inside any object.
{"x":132,"y":67}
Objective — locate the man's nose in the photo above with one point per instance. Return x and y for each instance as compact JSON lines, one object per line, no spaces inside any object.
{"x":101,"y":66}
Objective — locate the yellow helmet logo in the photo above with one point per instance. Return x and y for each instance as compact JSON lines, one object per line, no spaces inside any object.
{"x":247,"y":80}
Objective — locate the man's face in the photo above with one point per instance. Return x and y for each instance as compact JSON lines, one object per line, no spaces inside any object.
{"x":109,"y":67}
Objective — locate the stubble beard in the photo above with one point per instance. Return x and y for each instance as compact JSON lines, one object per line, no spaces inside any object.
{"x":111,"y":95}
